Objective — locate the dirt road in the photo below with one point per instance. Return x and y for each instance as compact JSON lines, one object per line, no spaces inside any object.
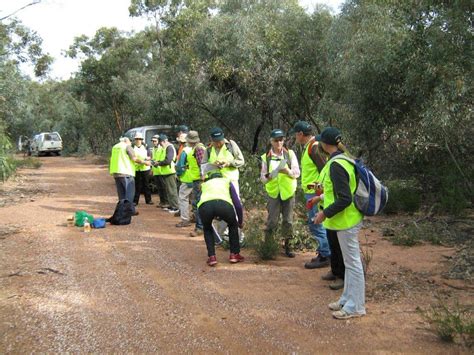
{"x":146,"y":288}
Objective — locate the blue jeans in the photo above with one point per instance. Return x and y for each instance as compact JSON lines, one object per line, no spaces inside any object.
{"x":125,"y":188}
{"x":353,"y":296}
{"x":317,"y":230}
{"x":196,"y":198}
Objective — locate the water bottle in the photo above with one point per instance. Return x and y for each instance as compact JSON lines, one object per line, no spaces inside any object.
{"x":87,"y":225}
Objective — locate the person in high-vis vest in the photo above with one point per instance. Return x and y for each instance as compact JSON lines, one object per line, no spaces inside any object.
{"x":219,"y":199}
{"x":194,"y":154}
{"x":157,"y":153}
{"x":339,"y":215}
{"x":279,"y":172}
{"x":142,"y":171}
{"x":228,"y":157}
{"x":312,"y":163}
{"x":166,"y":162}
{"x":122,"y":168}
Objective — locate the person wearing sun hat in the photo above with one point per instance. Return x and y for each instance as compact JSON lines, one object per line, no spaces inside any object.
{"x":280,"y":184}
{"x":157,"y":154}
{"x":340,"y":216}
{"x":312,"y":163}
{"x":142,"y":171}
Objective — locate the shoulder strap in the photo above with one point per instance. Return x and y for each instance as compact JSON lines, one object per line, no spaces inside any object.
{"x":230,"y":148}
{"x":311,"y":143}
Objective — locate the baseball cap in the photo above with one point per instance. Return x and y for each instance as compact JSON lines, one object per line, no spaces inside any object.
{"x":301,"y":126}
{"x":330,"y":135}
{"x":182,"y":128}
{"x":163,"y":137}
{"x":277,"y":133}
{"x":217,"y":134}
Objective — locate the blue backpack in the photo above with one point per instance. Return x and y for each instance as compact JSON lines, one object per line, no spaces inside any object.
{"x":371,"y":195}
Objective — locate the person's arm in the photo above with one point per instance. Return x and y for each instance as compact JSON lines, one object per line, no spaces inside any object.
{"x":200,"y":154}
{"x":239,"y":160}
{"x":342,"y":190}
{"x":169,"y":156}
{"x":295,"y":167}
{"x":132,"y":156}
{"x":263,"y":172}
{"x":237,"y":204}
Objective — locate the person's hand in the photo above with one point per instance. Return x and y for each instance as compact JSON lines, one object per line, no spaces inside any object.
{"x":319,"y":218}
{"x":316,"y":199}
{"x":147,"y":163}
{"x":285,"y":171}
{"x":222,"y":164}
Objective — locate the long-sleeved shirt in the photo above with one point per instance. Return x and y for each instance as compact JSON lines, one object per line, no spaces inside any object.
{"x":341,"y":189}
{"x":294,"y":170}
{"x":170,"y":155}
{"x":239,"y":210}
{"x":238,"y":160}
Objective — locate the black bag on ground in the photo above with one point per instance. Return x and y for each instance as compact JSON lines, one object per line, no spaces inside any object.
{"x":123,"y":213}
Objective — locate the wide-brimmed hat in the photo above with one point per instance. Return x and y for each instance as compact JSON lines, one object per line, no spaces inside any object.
{"x":182,"y":138}
{"x":193,"y":137}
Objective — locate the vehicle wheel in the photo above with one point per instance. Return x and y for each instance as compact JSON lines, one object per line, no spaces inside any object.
{"x":58,"y":153}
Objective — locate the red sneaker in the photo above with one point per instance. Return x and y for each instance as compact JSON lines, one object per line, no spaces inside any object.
{"x":212,"y":261}
{"x":236,"y":258}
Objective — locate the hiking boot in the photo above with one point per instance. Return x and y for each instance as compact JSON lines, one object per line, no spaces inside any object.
{"x":288,"y":251}
{"x":337,"y":285}
{"x":335,"y":306}
{"x":183,"y":224}
{"x":235,"y":258}
{"x":319,"y":262}
{"x":329,"y":277}
{"x":196,"y":232}
{"x":172,"y":210}
{"x":212,"y":261}
{"x":342,"y":314}
{"x":163,"y":207}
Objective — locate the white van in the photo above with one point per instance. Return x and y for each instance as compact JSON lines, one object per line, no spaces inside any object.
{"x":46,"y":142}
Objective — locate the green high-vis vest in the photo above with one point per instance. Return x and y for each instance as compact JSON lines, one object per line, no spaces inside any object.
{"x":120,"y":162}
{"x":282,"y":185}
{"x":215,"y":189}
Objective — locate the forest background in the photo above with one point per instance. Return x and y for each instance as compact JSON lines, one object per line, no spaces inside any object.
{"x":394,"y":76}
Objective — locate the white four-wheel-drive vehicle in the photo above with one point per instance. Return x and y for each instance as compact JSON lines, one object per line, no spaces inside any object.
{"x":46,"y":142}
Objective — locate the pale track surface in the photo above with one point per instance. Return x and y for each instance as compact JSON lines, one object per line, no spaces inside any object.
{"x":146,"y":288}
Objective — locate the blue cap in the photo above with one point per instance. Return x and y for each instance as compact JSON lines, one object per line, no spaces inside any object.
{"x":217,"y":134}
{"x":183,"y":128}
{"x":163,"y":137}
{"x":330,"y":135}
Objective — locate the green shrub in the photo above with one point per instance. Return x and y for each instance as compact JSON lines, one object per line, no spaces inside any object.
{"x":453,"y":196}
{"x":451,"y":324}
{"x":29,"y":162}
{"x":403,"y":196}
{"x":252,"y":190}
{"x":266,"y":248}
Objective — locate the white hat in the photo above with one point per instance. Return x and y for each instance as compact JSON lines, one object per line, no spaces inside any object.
{"x":138,"y":135}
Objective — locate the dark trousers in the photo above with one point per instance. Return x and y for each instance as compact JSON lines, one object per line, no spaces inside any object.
{"x":141,"y":186}
{"x":161,"y":189}
{"x":196,"y":196}
{"x":337,"y":262}
{"x":125,"y":188}
{"x":225,"y":211}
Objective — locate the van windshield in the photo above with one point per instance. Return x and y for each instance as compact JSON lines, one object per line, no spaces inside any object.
{"x":52,"y":137}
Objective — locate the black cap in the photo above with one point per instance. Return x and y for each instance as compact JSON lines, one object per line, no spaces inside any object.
{"x":183,"y":128}
{"x":330,"y":135}
{"x":217,"y":134}
{"x":301,"y":126}
{"x":277,"y":133}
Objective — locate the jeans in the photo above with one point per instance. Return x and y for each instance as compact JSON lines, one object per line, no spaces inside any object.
{"x":196,"y":198}
{"x":125,"y":188}
{"x":353,"y":296}
{"x":224,"y":210}
{"x":317,"y":230}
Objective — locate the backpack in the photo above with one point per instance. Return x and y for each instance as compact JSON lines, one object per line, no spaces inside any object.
{"x":286,"y":155}
{"x":370,"y":196}
{"x":122,"y":214}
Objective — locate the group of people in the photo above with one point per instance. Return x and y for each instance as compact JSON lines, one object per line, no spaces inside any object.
{"x":200,"y":184}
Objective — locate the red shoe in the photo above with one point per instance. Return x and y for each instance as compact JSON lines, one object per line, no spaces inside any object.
{"x":212,"y":261}
{"x":236,"y":258}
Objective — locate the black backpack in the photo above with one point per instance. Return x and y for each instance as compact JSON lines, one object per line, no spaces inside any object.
{"x":123,"y":213}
